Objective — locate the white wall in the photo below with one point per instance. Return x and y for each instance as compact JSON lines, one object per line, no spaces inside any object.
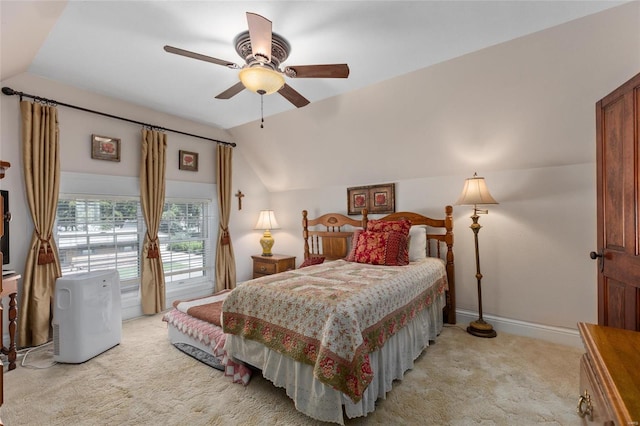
{"x":534,"y":245}
{"x":246,"y":240}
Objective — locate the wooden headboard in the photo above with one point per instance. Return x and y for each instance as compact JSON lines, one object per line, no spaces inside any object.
{"x":332,"y":241}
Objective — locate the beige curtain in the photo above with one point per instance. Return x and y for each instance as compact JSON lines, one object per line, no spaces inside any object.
{"x":41,"y":165}
{"x":152,"y":189}
{"x":225,"y":260}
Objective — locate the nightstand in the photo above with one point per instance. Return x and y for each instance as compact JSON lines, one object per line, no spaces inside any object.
{"x":268,"y":265}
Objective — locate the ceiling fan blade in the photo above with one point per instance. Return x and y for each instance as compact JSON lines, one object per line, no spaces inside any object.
{"x":293,"y":96}
{"x":201,"y":57}
{"x":260,"y":35}
{"x":318,"y":71}
{"x":231,"y":91}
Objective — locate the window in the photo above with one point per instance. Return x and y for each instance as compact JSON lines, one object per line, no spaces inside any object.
{"x":183,"y":241}
{"x":99,"y":232}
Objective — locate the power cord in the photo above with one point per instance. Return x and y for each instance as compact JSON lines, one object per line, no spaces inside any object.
{"x":455,"y":326}
{"x":45,"y":347}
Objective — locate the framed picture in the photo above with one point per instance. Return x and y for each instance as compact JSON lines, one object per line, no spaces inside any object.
{"x":358,"y":199}
{"x":382,"y":199}
{"x":105,"y":148}
{"x":188,"y":161}
{"x":375,"y":198}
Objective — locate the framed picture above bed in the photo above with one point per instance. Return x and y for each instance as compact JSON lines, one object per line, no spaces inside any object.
{"x":375,"y":198}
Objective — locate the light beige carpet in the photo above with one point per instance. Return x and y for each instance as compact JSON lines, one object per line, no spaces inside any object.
{"x":460,"y":380}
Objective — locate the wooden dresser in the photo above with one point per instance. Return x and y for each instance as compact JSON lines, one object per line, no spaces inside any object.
{"x":267,"y":265}
{"x":609,"y":376}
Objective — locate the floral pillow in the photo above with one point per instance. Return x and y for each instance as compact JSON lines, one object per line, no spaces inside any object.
{"x":402,"y":226}
{"x":382,"y":248}
{"x":316,"y":260}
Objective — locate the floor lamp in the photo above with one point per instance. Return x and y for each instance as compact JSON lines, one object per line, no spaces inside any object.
{"x":475,"y":192}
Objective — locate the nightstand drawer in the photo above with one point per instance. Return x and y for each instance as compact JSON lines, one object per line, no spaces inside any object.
{"x":264,"y":268}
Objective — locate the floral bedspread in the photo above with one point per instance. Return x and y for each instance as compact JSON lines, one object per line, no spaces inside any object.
{"x":333,"y":315}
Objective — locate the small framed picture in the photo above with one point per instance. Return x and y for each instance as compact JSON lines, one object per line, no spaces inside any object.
{"x":105,"y":148}
{"x":358,"y":198}
{"x":382,"y":199}
{"x":374,"y":198}
{"x":188,"y":161}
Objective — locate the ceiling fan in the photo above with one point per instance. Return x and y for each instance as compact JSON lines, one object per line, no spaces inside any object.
{"x":263,"y":52}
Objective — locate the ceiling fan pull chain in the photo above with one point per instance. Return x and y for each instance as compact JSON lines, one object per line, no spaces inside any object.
{"x":262,"y":110}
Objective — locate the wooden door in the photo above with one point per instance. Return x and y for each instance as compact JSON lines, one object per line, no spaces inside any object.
{"x":618,"y":205}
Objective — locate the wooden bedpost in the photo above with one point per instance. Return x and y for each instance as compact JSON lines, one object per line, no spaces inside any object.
{"x":448,"y":239}
{"x":365,"y":219}
{"x":305,"y":234}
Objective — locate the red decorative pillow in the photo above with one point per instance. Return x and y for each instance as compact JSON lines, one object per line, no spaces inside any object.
{"x":317,"y":260}
{"x":402,"y":225}
{"x":351,"y":257}
{"x":382,"y":248}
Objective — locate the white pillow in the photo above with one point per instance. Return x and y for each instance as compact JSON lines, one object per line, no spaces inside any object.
{"x":417,"y":243}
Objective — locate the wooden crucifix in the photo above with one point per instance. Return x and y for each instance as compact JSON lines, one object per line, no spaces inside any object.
{"x":239,"y":195}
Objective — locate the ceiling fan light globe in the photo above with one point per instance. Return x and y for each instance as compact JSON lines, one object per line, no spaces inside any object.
{"x":261,"y":79}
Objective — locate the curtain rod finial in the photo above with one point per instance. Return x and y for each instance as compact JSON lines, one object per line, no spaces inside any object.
{"x":8,"y":91}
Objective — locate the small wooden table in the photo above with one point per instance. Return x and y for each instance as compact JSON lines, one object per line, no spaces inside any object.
{"x":267,"y":265}
{"x":10,"y":288}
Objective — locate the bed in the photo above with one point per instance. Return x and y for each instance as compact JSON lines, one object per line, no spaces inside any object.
{"x":336,"y":333}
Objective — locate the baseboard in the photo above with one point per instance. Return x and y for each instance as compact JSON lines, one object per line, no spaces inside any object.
{"x":560,"y":335}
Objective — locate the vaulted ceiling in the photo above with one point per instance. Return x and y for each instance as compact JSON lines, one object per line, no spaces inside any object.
{"x":116,"y":48}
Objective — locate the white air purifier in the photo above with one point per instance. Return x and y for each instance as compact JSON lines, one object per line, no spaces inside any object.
{"x":87,"y":315}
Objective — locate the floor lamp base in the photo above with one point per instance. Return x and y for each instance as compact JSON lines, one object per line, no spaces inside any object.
{"x":480,"y":328}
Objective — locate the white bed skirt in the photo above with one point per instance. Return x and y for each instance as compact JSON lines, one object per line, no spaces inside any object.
{"x":324,"y":403}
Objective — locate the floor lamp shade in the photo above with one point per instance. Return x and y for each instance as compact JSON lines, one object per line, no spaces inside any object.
{"x":475,"y":192}
{"x":267,"y":222}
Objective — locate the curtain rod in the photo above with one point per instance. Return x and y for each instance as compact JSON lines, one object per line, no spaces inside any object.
{"x":10,"y":92}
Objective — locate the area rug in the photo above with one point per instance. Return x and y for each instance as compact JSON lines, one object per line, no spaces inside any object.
{"x":145,"y":380}
{"x":200,"y":355}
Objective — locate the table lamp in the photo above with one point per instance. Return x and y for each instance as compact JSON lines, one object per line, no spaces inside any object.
{"x":267,"y":221}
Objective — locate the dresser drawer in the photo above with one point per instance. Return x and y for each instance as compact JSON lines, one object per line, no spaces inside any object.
{"x":591,"y":400}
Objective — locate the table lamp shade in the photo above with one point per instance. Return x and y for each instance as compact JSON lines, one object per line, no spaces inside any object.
{"x":267,"y":220}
